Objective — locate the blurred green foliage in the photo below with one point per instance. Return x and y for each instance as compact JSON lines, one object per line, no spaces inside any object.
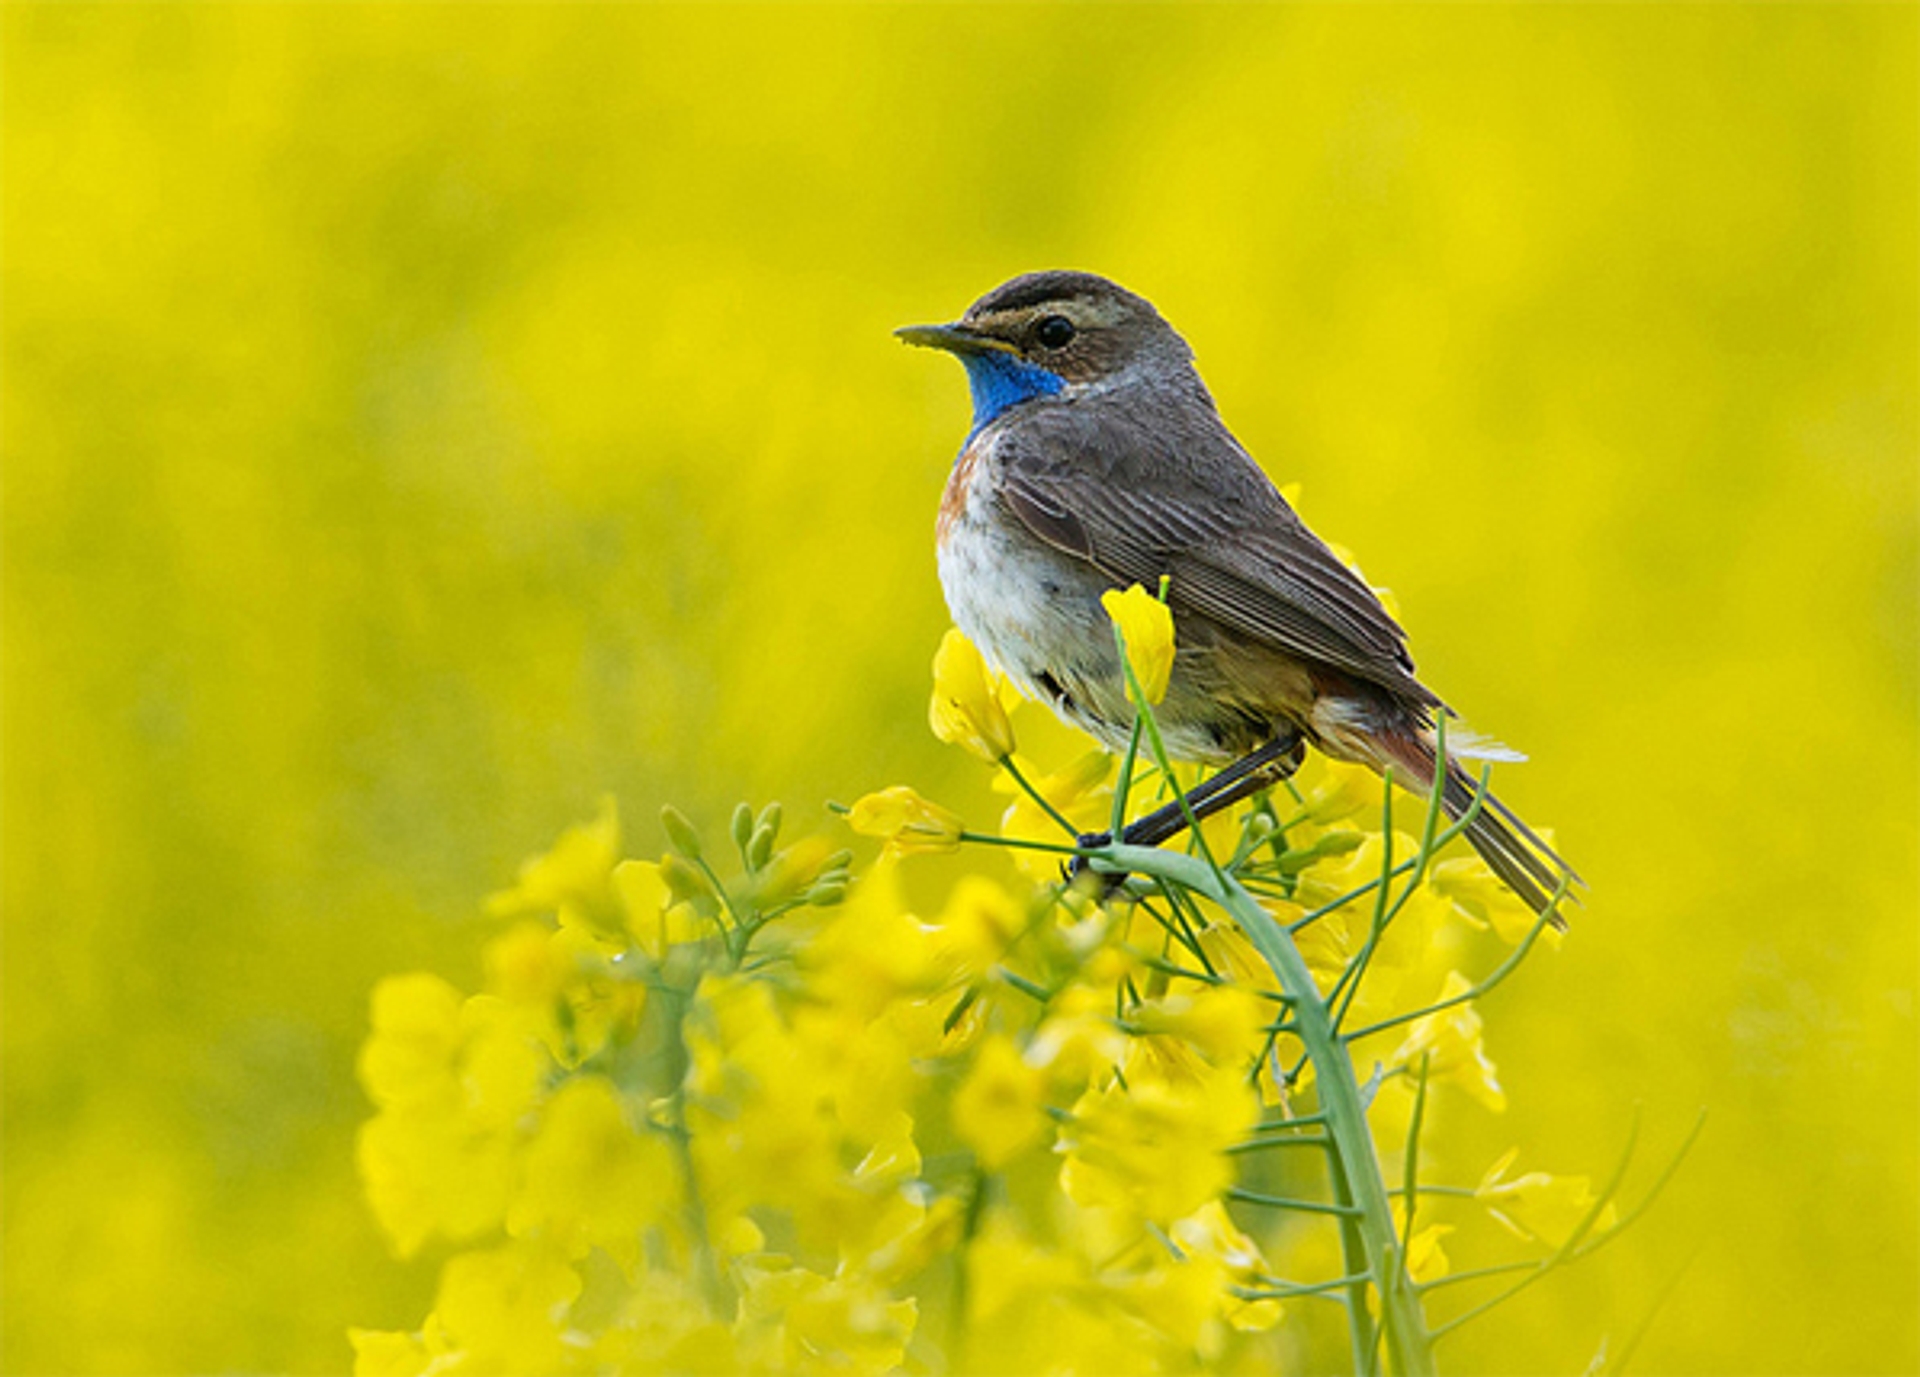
{"x":419,"y":420}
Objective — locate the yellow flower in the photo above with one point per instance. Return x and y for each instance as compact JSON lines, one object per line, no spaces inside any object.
{"x":1000,"y":1108}
{"x":503,"y":1067}
{"x":663,"y":1326}
{"x":574,"y":878}
{"x":911,"y":1236}
{"x":873,"y":952}
{"x":1484,"y":899}
{"x":1078,"y":792}
{"x":559,"y":988}
{"x":1404,"y":960}
{"x":1451,"y":1037}
{"x":1156,"y":1148}
{"x":1078,"y":1040}
{"x":382,"y":1353}
{"x":653,"y":919}
{"x":1335,"y":789}
{"x":416,"y":1033}
{"x":910,"y":824}
{"x":1030,"y":1306}
{"x":426,"y":1173}
{"x":591,"y":1178}
{"x":507,"y":1307}
{"x":1236,"y":958}
{"x":977,"y":925}
{"x":774,"y":1111}
{"x":1210,"y":1232}
{"x":1538,"y":1207}
{"x":1426,"y":1260}
{"x":1221,"y":1022}
{"x":1147,"y":626}
{"x":811,"y":1323}
{"x":969,"y":701}
{"x":792,"y":870}
{"x":1179,"y":1298}
{"x":435,"y":1159}
{"x":522,"y":966}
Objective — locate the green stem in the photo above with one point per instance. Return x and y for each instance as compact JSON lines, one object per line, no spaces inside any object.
{"x":1040,"y":800}
{"x":1017,"y":843}
{"x":1124,"y":784}
{"x":1352,"y":1142}
{"x":714,"y":1287}
{"x":962,"y":1263}
{"x":1289,"y":1202}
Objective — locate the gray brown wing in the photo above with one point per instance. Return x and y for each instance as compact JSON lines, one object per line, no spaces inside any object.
{"x":1243,"y":560}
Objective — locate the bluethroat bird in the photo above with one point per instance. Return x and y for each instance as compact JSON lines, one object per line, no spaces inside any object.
{"x":1097,"y":460}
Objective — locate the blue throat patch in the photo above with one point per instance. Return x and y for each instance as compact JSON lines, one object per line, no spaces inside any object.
{"x":1000,"y":380}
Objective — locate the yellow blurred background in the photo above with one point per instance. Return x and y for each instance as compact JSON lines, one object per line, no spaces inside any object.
{"x":420,"y":420}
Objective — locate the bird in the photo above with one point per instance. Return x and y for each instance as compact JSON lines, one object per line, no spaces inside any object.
{"x":1097,"y":459}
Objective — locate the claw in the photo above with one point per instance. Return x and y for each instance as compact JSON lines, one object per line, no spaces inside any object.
{"x":1081,"y":865}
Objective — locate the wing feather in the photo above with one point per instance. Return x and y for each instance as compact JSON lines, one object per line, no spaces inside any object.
{"x":1206,"y":516}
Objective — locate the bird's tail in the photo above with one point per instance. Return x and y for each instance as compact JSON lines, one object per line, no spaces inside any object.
{"x":1511,"y":849}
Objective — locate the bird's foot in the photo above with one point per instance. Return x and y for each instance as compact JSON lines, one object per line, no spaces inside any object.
{"x":1110,"y":882}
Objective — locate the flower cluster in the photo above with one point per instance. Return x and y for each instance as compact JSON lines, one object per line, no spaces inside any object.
{"x":779,"y":1120}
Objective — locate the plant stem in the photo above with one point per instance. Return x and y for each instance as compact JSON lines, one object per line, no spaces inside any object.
{"x":1040,"y":800}
{"x":1352,"y":1143}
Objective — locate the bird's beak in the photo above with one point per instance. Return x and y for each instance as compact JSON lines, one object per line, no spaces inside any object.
{"x":955,"y":339}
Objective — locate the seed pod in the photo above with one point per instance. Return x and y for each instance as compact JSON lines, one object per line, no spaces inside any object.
{"x":1332,"y":844}
{"x":680,"y":832}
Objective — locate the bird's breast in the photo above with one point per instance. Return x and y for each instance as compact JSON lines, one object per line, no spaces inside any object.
{"x":1033,"y":612}
{"x":953,"y":500}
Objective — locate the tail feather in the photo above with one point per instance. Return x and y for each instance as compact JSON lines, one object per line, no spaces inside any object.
{"x":1511,"y":849}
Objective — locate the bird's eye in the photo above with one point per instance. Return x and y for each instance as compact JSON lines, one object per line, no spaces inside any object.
{"x":1054,"y":332}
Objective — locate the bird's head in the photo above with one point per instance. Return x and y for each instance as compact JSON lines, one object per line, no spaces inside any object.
{"x":1055,"y":334}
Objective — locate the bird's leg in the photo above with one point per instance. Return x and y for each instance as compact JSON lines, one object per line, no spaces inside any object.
{"x":1247,"y":776}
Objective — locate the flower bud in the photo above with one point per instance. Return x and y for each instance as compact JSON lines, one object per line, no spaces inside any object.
{"x":792,"y":870}
{"x":684,"y":881}
{"x":769,"y":818}
{"x":680,"y":832}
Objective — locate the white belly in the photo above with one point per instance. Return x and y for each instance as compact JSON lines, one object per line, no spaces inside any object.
{"x":1035,"y":615}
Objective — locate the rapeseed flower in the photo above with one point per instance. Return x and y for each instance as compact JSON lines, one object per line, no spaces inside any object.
{"x":969,"y":704}
{"x":591,"y":1178}
{"x":573,"y":877}
{"x":1478,"y":895}
{"x":1155,"y":1149}
{"x":1000,"y":1108}
{"x":779,"y":1122}
{"x":909,"y":824}
{"x":1147,"y":628}
{"x":1449,"y":1042}
{"x":1426,"y":1259}
{"x":1540,"y":1207}
{"x":503,"y":1307}
{"x":1078,"y":792}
